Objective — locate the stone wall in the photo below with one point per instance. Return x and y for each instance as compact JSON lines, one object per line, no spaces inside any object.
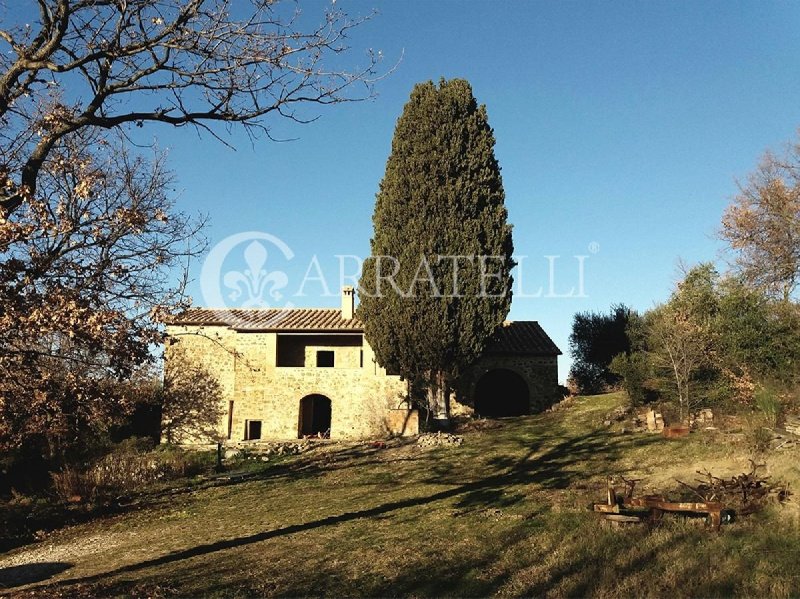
{"x":209,"y":348}
{"x":364,"y":400}
{"x":539,"y":372}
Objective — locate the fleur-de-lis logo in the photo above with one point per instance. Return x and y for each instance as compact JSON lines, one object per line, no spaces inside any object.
{"x":234,"y":278}
{"x":254,"y":283}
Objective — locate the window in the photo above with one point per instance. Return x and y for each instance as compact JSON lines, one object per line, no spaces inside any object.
{"x":230,"y":418}
{"x":325,"y":359}
{"x":252,"y":430}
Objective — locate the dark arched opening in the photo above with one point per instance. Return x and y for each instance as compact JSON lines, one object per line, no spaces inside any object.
{"x":315,"y":416}
{"x":501,"y":393}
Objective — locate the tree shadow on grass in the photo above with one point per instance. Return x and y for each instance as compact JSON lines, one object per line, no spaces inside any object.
{"x":15,"y":576}
{"x":554,"y":468}
{"x":564,"y":464}
{"x":298,"y":467}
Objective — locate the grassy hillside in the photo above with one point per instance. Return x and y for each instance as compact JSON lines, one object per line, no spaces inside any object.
{"x":503,"y":514}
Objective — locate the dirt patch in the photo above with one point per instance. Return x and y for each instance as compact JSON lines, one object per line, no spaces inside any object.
{"x":54,"y":551}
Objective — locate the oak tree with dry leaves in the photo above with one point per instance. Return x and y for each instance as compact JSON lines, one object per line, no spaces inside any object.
{"x":91,"y":242}
{"x":762,"y":225}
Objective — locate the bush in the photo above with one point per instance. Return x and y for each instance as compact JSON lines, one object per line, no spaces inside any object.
{"x":769,"y":406}
{"x":128,"y":468}
{"x":758,"y":334}
{"x":586,"y":379}
{"x":71,"y":485}
{"x":129,"y":471}
{"x":634,"y":369}
{"x":759,"y":439}
{"x":595,"y":339}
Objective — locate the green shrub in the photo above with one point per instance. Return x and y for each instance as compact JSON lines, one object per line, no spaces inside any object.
{"x":634,"y":371}
{"x":769,"y":406}
{"x":595,"y":339}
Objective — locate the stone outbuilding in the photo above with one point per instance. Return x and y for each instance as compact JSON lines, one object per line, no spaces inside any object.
{"x":291,"y":373}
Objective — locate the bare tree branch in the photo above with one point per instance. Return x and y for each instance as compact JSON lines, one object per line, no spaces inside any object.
{"x":102,"y":64}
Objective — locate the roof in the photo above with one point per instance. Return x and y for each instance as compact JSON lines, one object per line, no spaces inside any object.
{"x":513,"y":337}
{"x":522,"y":337}
{"x":269,"y":319}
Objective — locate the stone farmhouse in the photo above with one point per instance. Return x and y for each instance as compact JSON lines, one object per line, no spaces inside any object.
{"x":291,"y":373}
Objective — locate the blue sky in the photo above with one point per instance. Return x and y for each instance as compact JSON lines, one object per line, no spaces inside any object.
{"x":619,"y":125}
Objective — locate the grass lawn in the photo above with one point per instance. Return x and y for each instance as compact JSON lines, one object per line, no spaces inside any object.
{"x":506,"y":513}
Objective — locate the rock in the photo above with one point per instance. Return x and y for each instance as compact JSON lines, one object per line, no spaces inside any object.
{"x":265,"y":458}
{"x":792,"y":425}
{"x":439,"y":439}
{"x":655,"y":421}
{"x":564,"y":403}
{"x":620,"y":414}
{"x":704,"y":416}
{"x":638,"y":423}
{"x":616,"y":415}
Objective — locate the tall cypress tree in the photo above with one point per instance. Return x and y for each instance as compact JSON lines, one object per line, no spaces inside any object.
{"x":438,"y":283}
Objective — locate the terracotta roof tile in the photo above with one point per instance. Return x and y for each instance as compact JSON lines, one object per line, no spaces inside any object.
{"x":514,"y":337}
{"x":522,"y":337}
{"x":269,"y":319}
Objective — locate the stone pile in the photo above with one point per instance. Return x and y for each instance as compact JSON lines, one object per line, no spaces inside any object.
{"x":617,"y":415}
{"x":704,"y":417}
{"x":264,"y":451}
{"x":559,"y":405}
{"x":655,"y":421}
{"x":439,"y":439}
{"x":793,"y":425}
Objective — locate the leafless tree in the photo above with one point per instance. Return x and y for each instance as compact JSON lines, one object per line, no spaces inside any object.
{"x":679,"y":348}
{"x":79,"y":64}
{"x":191,"y":402}
{"x":680,"y":336}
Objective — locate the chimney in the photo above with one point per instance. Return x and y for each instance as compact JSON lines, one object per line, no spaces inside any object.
{"x":348,"y":302}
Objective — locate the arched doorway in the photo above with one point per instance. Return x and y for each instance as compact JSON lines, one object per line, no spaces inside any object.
{"x":500,"y":393}
{"x":315,"y":416}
